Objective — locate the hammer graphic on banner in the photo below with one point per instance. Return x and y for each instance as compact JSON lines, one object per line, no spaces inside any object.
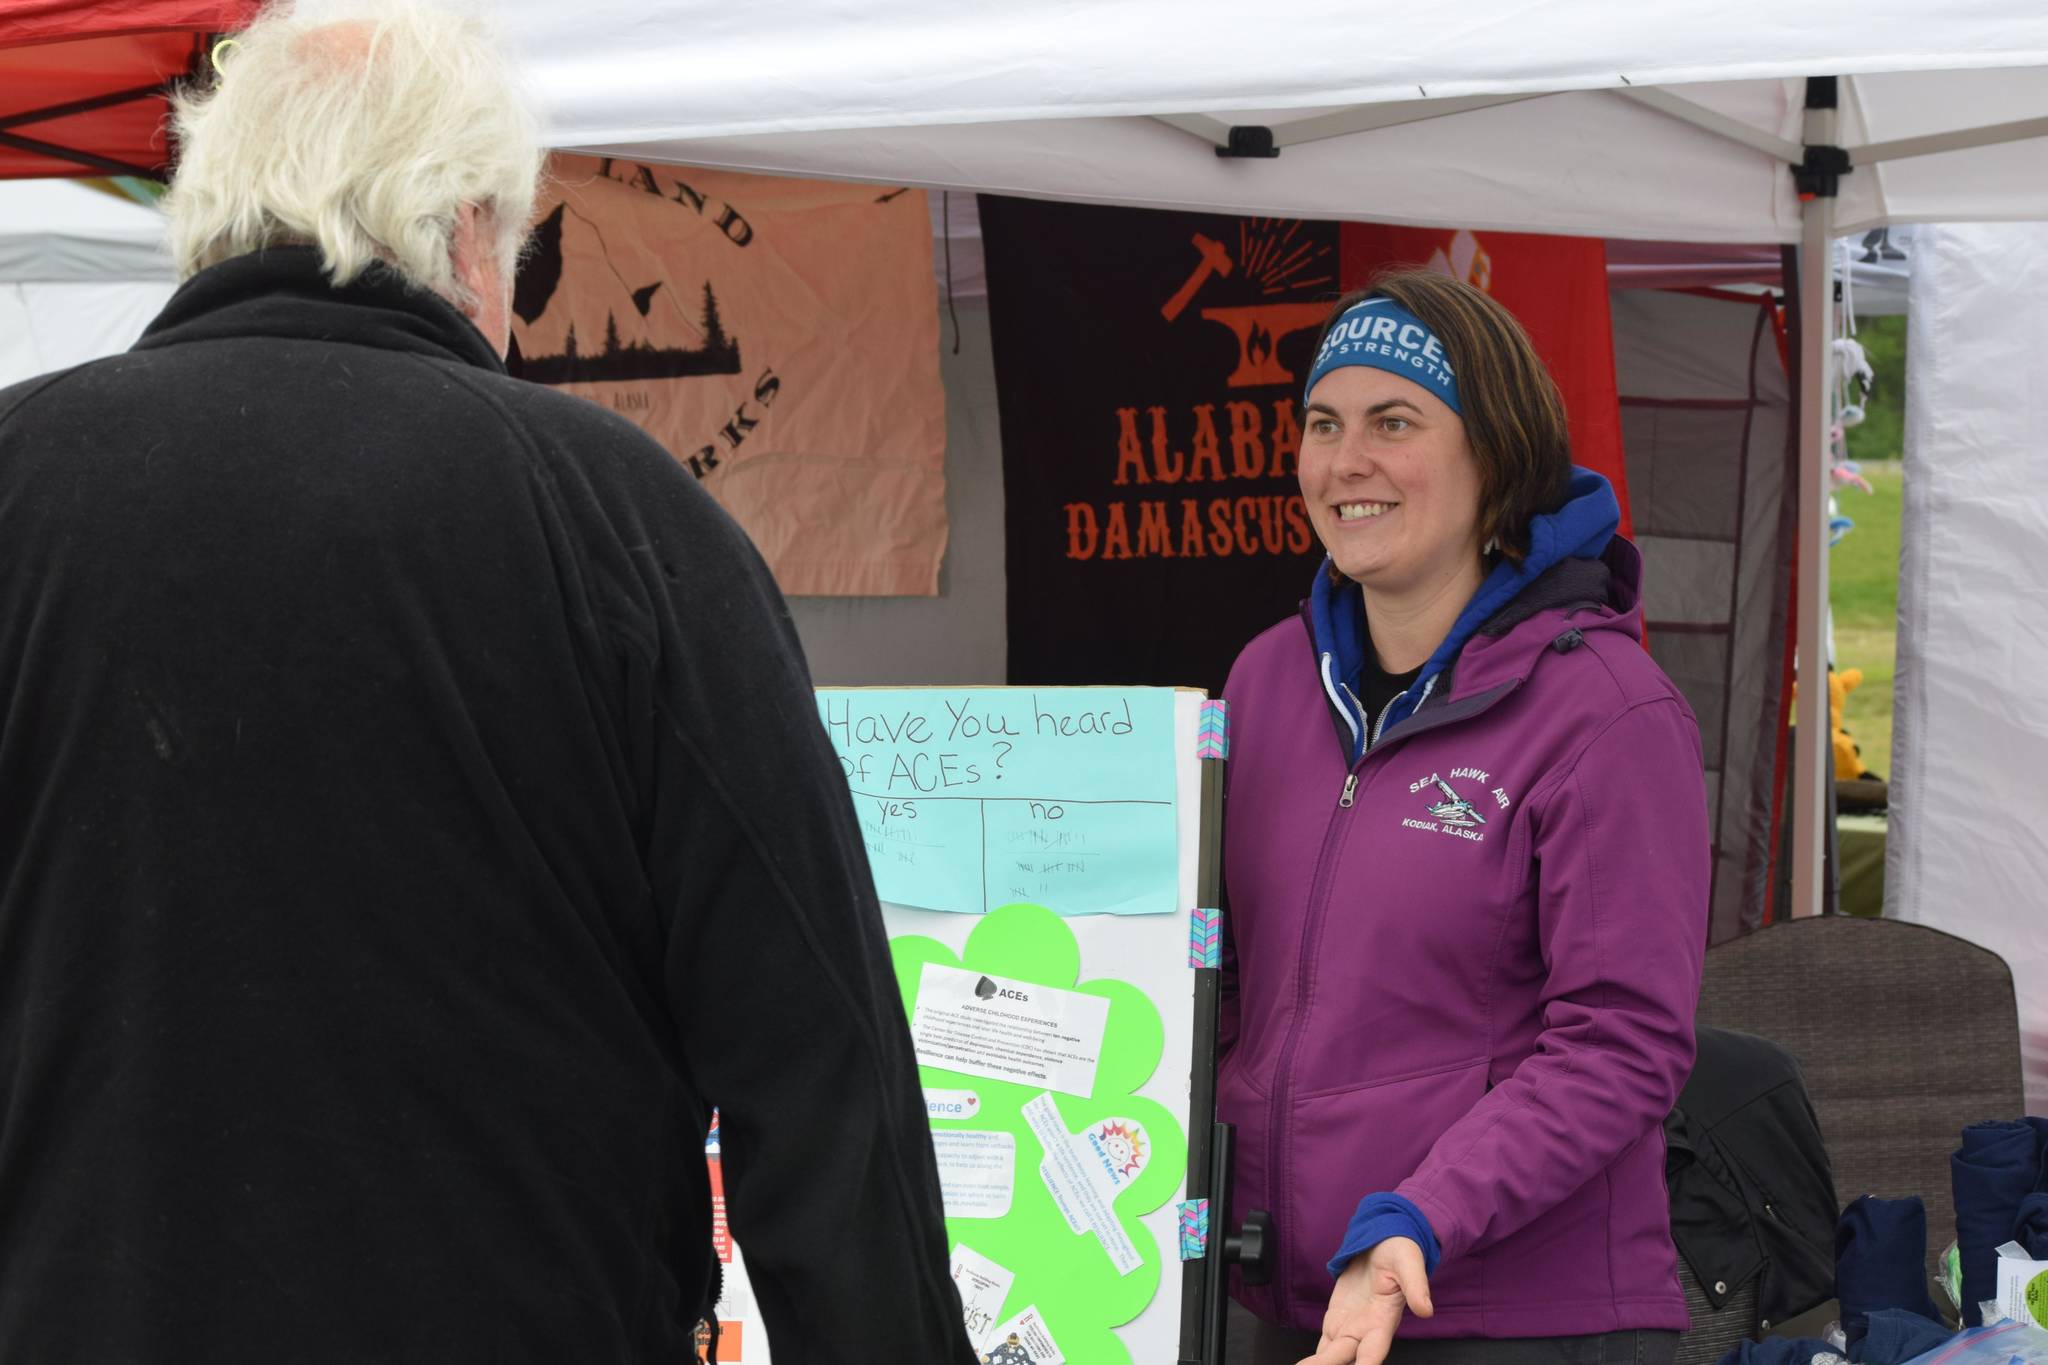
{"x":1215,"y":261}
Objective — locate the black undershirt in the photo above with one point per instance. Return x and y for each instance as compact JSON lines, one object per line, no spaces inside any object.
{"x":1377,"y":687}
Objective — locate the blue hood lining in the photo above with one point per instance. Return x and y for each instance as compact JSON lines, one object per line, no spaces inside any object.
{"x":1580,"y":529}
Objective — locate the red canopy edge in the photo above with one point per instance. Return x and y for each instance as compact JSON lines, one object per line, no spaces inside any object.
{"x":26,"y":22}
{"x":82,"y":82}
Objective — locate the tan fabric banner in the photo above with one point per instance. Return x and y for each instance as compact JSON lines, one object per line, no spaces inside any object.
{"x":780,"y":337}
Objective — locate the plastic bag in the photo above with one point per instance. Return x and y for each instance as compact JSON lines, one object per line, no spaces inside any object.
{"x":2006,"y":1343}
{"x":1951,"y":1277}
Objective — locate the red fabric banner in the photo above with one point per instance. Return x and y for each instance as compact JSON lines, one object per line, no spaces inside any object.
{"x":1556,"y":286}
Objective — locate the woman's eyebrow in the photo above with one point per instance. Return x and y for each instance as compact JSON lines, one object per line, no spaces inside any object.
{"x":1375,"y":410}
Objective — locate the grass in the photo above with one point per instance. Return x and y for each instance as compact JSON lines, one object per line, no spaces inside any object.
{"x":1863,"y":582}
{"x":1863,"y":585}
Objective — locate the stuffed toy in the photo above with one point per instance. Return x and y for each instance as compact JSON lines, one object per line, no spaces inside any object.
{"x":1848,"y":758}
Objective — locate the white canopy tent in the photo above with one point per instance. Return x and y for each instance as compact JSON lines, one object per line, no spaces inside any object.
{"x":1662,"y":119}
{"x":81,"y":274}
{"x":1495,"y":113}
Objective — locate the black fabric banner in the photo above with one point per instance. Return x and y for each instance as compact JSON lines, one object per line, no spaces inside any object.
{"x":1149,"y":369}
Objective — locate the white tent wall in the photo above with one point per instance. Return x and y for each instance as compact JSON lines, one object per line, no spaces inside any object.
{"x":61,"y":232}
{"x":960,"y":636}
{"x":81,"y":274}
{"x":46,"y":327}
{"x":1968,"y":850}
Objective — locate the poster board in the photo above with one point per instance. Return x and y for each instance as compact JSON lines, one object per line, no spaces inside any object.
{"x":1038,"y":854}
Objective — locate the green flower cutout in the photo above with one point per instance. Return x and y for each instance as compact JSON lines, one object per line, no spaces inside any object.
{"x":1068,"y":1275}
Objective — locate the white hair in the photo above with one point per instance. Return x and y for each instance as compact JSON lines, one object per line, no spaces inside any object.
{"x":362,"y":132}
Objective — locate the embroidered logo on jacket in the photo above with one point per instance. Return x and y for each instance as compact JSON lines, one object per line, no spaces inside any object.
{"x":1455,"y":809}
{"x":1451,"y":812}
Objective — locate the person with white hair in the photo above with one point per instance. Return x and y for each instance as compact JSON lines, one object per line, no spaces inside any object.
{"x":414,"y":816}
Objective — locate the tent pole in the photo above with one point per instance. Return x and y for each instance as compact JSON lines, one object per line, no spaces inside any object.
{"x":1962,"y":139}
{"x":1812,"y":762}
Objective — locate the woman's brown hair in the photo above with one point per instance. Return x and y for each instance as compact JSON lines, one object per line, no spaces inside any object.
{"x":1514,"y":418}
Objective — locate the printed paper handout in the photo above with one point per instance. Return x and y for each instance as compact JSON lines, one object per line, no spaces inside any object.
{"x":1023,"y":1340}
{"x":1084,"y":1172}
{"x":1006,"y":1030}
{"x":983,"y":1286}
{"x":977,"y":1172}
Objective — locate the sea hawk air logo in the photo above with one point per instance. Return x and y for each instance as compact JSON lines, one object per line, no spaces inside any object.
{"x":1455,"y":809}
{"x":1450,"y":811}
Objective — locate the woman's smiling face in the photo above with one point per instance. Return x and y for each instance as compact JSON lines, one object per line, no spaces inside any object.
{"x":1390,"y":481}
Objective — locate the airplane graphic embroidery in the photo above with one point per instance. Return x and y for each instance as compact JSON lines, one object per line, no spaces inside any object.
{"x":1455,"y":809}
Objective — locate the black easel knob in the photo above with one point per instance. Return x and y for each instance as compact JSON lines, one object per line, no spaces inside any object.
{"x":1251,"y":1248}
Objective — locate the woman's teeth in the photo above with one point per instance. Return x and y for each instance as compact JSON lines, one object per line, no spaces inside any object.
{"x":1358,"y":511}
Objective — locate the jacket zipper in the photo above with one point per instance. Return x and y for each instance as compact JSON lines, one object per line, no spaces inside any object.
{"x":1318,"y":895}
{"x":1318,"y":903}
{"x":1345,"y":801}
{"x":1420,"y":702}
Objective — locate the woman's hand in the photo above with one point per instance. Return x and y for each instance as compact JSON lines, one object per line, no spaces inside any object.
{"x":1367,"y":1303}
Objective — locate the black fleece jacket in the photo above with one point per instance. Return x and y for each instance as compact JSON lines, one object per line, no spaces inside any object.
{"x":414,"y":817}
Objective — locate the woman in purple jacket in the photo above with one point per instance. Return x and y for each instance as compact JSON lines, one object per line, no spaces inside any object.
{"x":1467,"y":862}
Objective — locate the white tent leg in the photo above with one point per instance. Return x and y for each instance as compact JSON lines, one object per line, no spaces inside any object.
{"x":1812,"y":750}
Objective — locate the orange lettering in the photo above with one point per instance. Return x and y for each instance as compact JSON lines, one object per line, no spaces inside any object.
{"x":1080,"y":524}
{"x":1169,"y":470}
{"x":1130,"y":456}
{"x":1154,"y":537}
{"x":1245,"y":509}
{"x":1219,"y":527}
{"x":1207,"y":450}
{"x":1116,"y":539}
{"x":1247,"y":451}
{"x":1286,"y":438}
{"x":1191,"y":546}
{"x":1272,"y":534}
{"x":1299,"y":534}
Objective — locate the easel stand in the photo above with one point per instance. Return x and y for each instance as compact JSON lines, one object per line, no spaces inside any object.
{"x":1250,"y":1249}
{"x":1205,"y":1299}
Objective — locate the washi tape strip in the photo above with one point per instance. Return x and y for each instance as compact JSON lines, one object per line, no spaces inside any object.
{"x":1194,"y":1229}
{"x":1212,"y":739}
{"x":1205,"y":938}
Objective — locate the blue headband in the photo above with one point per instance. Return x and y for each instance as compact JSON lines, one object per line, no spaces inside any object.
{"x":1381,"y":333}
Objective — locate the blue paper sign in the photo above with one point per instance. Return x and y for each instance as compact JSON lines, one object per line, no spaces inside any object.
{"x":971,"y":798}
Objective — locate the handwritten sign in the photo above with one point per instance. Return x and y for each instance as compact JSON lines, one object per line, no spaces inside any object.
{"x":972,"y":798}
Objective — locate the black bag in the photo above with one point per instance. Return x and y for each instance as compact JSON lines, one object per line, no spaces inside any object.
{"x":1751,"y":1190}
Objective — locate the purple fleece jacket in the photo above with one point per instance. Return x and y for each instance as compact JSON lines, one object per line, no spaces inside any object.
{"x":1474,"y":985}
